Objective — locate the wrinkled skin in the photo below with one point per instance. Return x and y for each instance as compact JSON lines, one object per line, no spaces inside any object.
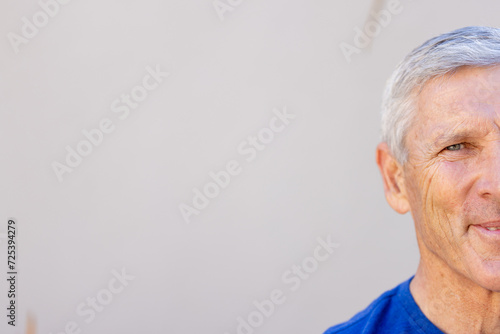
{"x":451,"y":186}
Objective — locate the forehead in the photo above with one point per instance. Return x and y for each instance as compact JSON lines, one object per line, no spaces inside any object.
{"x":460,"y":91}
{"x":466,"y":99}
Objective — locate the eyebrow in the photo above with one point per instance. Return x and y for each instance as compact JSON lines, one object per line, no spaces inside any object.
{"x":454,"y":137}
{"x":446,"y":134}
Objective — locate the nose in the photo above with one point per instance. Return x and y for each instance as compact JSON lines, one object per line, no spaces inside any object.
{"x":489,"y":181}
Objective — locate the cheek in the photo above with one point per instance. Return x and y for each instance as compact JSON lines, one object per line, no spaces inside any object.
{"x":448,"y":188}
{"x":441,"y":191}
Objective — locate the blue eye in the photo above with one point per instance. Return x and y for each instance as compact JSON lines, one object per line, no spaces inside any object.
{"x":455,"y":147}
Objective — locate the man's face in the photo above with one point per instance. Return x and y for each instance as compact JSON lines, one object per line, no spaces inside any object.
{"x":452,"y":177}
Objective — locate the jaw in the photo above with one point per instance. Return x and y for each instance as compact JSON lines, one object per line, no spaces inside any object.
{"x":483,"y":268}
{"x":476,"y":266}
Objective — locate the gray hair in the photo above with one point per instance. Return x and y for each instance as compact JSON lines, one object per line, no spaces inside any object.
{"x":441,"y":55}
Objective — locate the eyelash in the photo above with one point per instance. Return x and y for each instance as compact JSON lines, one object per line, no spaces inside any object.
{"x":462,"y":145}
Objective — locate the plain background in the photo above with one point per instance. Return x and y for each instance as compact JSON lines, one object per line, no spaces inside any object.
{"x":120,"y":207}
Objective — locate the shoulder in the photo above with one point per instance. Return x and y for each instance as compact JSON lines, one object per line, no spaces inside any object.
{"x":386,"y":312}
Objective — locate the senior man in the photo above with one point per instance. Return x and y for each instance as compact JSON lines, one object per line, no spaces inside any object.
{"x":440,"y":160}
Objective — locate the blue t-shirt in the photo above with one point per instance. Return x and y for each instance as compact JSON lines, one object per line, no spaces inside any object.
{"x":394,"y":312}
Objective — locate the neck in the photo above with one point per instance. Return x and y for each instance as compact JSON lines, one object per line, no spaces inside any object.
{"x":451,"y":301}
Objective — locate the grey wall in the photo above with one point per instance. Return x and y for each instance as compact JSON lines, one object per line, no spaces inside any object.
{"x":119,"y":208}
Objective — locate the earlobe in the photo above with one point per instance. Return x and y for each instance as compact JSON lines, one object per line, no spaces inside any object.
{"x":392,"y":177}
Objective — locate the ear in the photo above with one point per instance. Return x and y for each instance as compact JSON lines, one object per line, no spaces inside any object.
{"x":393,"y":179}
